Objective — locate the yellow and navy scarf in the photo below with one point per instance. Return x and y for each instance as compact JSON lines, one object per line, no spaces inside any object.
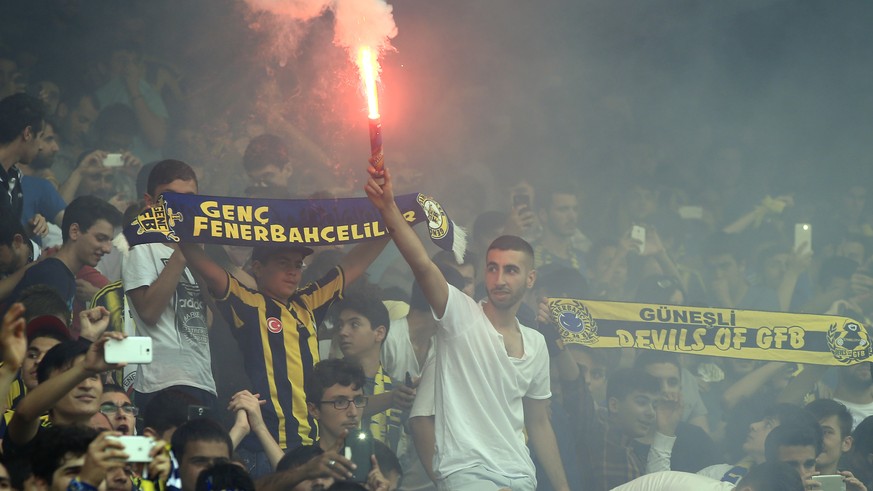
{"x":730,"y":333}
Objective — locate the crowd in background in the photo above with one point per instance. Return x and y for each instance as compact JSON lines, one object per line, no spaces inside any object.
{"x":93,"y":131}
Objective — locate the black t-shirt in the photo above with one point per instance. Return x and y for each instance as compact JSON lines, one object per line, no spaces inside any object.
{"x":52,"y":272}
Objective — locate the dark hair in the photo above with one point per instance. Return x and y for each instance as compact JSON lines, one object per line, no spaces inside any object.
{"x":296,"y":457}
{"x":626,"y":380}
{"x":512,"y":243}
{"x":863,"y":437}
{"x":328,"y":373}
{"x":167,"y":171}
{"x":417,"y":300}
{"x":199,"y":430}
{"x":142,"y":179}
{"x":86,"y":211}
{"x":42,"y":299}
{"x":167,"y":409}
{"x":10,"y":226}
{"x":265,"y":150}
{"x":772,"y":476}
{"x":448,"y":258}
{"x":60,"y":357}
{"x":110,"y":388}
{"x":224,"y":476}
{"x":649,"y":357}
{"x":365,"y":299}
{"x":562,"y":282}
{"x":835,"y":267}
{"x":17,"y":112}
{"x":543,"y":199}
{"x":825,"y":408}
{"x":790,"y":414}
{"x":791,"y":435}
{"x":116,"y":119}
{"x":51,"y":446}
{"x":657,"y":289}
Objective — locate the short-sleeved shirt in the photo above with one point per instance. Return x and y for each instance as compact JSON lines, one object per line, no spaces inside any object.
{"x":40,"y":196}
{"x":280,"y":348}
{"x":53,"y":272}
{"x":480,"y":389}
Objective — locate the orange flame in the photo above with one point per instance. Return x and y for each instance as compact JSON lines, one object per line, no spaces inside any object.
{"x":369,"y":68}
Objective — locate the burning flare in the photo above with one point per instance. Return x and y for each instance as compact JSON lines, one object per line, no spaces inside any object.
{"x":369,"y":69}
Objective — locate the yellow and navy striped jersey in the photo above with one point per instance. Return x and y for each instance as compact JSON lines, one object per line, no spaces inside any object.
{"x":280,"y":347}
{"x":17,"y":392}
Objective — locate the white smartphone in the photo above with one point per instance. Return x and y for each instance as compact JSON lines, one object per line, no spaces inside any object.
{"x":691,"y":212}
{"x":113,"y":160}
{"x":802,"y":237}
{"x":136,"y":349}
{"x":831,"y":482}
{"x":137,"y":448}
{"x":639,"y":234}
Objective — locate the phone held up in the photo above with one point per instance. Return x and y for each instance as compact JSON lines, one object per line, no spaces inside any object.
{"x":133,"y":349}
{"x":359,"y":449}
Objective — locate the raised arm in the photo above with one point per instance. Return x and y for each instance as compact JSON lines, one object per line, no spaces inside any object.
{"x":356,"y":262}
{"x":150,"y":301}
{"x":429,"y":277}
{"x":13,"y":342}
{"x":201,"y":264}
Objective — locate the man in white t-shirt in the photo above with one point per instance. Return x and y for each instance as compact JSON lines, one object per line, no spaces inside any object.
{"x":168,"y":305}
{"x":492,"y":373}
{"x":855,"y":391}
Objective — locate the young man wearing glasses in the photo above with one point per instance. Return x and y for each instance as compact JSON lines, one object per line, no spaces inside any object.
{"x":116,"y":405}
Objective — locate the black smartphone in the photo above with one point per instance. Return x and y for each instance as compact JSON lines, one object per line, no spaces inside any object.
{"x":359,"y":449}
{"x":195,"y":412}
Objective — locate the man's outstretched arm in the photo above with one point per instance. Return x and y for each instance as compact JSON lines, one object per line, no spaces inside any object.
{"x":429,"y":277}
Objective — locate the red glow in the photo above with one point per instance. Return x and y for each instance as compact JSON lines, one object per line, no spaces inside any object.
{"x":368,"y":66}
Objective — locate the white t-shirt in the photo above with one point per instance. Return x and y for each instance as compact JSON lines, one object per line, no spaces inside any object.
{"x":479,"y":391}
{"x":859,"y":412}
{"x":674,"y":481}
{"x":180,"y":339}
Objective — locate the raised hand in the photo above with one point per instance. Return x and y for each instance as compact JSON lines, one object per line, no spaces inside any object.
{"x":13,"y":339}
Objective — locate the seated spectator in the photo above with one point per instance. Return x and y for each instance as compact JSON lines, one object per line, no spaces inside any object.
{"x":836,"y":427}
{"x":606,"y":448}
{"x":753,"y":447}
{"x":362,"y":323}
{"x":672,"y":443}
{"x":198,"y":445}
{"x":224,"y":476}
{"x":87,"y":229}
{"x":116,"y":405}
{"x":855,"y":391}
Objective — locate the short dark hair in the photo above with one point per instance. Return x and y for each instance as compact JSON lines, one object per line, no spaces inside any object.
{"x":265,"y":150}
{"x":543,"y":199}
{"x":167,"y":409}
{"x":624,"y":381}
{"x":167,"y":171}
{"x":10,"y":226}
{"x":60,"y":357}
{"x":365,"y":299}
{"x":110,"y":388}
{"x":790,"y":414}
{"x":863,"y":437}
{"x":772,"y":476}
{"x":17,"y":112}
{"x":86,"y":211}
{"x":512,"y":243}
{"x":417,"y":300}
{"x":648,"y":357}
{"x":42,"y":299}
{"x":199,"y":430}
{"x":328,"y":373}
{"x":296,"y":457}
{"x":487,"y":221}
{"x":226,"y":475}
{"x":791,"y":435}
{"x":52,"y":445}
{"x":825,"y":408}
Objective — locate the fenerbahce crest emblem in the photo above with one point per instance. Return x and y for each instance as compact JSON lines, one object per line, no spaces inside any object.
{"x":158,"y":219}
{"x":850,"y":342}
{"x":574,"y":321}
{"x":437,"y":221}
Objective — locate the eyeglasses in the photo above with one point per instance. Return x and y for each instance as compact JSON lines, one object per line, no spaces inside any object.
{"x":359,"y":401}
{"x":110,"y":408}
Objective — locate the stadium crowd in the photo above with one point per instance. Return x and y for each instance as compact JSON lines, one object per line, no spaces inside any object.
{"x":269,"y":361}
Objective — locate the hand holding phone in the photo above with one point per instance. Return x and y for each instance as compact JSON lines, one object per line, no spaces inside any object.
{"x":113,"y":160}
{"x":358,"y":449}
{"x":134,"y":349}
{"x":833,"y":482}
{"x":638,"y":234}
{"x":802,"y":238}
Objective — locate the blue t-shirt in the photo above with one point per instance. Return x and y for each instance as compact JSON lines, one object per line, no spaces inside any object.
{"x":40,"y":196}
